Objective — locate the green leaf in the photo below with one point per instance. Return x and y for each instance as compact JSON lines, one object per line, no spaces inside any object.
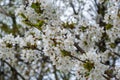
{"x":21,"y":14}
{"x":36,"y":7}
{"x":105,"y":36}
{"x":39,"y":24}
{"x":85,"y":42}
{"x":9,"y":45}
{"x":112,"y":45}
{"x":30,"y":46}
{"x":5,"y":28}
{"x":108,"y":26}
{"x":65,"y":53}
{"x":68,"y":25}
{"x":109,"y":72}
{"x":27,"y":22}
{"x":88,"y":65}
{"x":87,"y":74}
{"x":83,"y":28}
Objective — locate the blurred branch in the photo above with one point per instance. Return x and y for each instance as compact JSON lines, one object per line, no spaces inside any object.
{"x":13,"y":69}
{"x":55,"y":72}
{"x":77,"y":58}
{"x":2,"y":11}
{"x":79,"y":48}
{"x":73,"y":7}
{"x":117,"y":54}
{"x":1,"y":70}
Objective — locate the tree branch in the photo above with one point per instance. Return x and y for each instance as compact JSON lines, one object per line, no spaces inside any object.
{"x":73,"y":7}
{"x":79,"y":48}
{"x":13,"y":69}
{"x":55,"y":72}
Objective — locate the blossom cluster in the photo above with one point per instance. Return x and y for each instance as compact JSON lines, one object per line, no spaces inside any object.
{"x":89,"y":50}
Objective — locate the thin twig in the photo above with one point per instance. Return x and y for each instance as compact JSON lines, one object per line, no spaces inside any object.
{"x":76,"y":58}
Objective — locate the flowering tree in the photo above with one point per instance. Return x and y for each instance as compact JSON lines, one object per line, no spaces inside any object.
{"x":65,"y":39}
